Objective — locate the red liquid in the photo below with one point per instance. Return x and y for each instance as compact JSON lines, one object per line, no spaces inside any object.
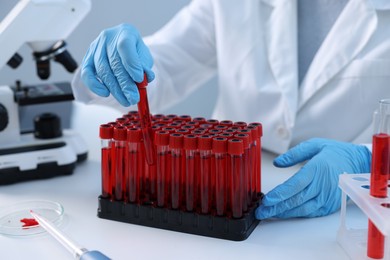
{"x":175,"y":181}
{"x":146,"y":126}
{"x":236,"y":182}
{"x":380,"y":171}
{"x":29,"y":222}
{"x":134,"y":166}
{"x":375,"y":242}
{"x":106,"y":172}
{"x":246,"y":196}
{"x":253,"y":179}
{"x":190,"y":180}
{"x":161,"y":176}
{"x":119,"y":171}
{"x":380,"y":165}
{"x":205,"y":182}
{"x":220,"y":184}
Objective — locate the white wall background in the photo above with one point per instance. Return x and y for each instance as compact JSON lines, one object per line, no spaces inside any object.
{"x":147,"y":15}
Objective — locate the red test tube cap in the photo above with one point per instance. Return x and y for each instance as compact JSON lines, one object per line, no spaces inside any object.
{"x":106,"y":131}
{"x":190,"y":142}
{"x":185,"y":118}
{"x":176,"y":141}
{"x":120,"y":133}
{"x":259,"y":128}
{"x":235,"y":146}
{"x":220,"y":144}
{"x":245,"y":138}
{"x":161,"y":138}
{"x":205,"y":142}
{"x":226,"y":122}
{"x":134,"y":135}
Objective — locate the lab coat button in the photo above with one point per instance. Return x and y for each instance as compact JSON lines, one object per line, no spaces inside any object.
{"x":282,"y":132}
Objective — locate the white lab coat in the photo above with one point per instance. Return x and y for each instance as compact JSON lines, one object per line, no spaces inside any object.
{"x":252,"y":46}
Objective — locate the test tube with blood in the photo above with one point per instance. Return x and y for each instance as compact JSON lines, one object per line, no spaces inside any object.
{"x":146,"y":124}
{"x":163,"y":169}
{"x":120,"y":138}
{"x":257,"y":171}
{"x":106,"y":133}
{"x":176,"y":147}
{"x":190,"y":148}
{"x":380,"y":171}
{"x":220,"y":154}
{"x":135,"y":164}
{"x":206,"y":182}
{"x":246,"y":195}
{"x":236,"y":151}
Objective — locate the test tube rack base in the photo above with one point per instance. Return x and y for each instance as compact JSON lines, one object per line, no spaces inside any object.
{"x":178,"y":220}
{"x":354,"y":240}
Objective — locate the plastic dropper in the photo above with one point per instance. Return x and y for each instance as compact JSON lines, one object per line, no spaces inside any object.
{"x":146,"y":122}
{"x":77,"y":251}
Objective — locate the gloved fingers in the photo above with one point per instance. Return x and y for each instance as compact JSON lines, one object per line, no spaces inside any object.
{"x":88,"y":73}
{"x":294,"y":185}
{"x":127,"y":49}
{"x":126,"y":83}
{"x":308,"y":209}
{"x":267,"y":210}
{"x":299,"y":153}
{"x":106,"y":75}
{"x":147,"y":60}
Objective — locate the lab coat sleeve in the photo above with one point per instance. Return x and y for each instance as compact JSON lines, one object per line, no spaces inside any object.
{"x":184,"y":54}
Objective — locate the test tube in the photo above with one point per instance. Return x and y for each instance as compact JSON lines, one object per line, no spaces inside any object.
{"x":206,"y":182}
{"x":236,"y":151}
{"x":246,"y":195}
{"x":176,"y":146}
{"x":190,"y":147}
{"x":163,"y":170}
{"x":135,"y":164}
{"x":380,"y":170}
{"x":146,"y":124}
{"x":120,"y":138}
{"x":105,"y":133}
{"x":259,"y":134}
{"x":219,"y":151}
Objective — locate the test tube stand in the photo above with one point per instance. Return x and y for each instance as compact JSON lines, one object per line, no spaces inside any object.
{"x":352,"y":240}
{"x":180,"y":220}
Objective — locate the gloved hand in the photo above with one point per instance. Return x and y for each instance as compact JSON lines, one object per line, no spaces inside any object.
{"x":115,"y":60}
{"x":313,"y":191}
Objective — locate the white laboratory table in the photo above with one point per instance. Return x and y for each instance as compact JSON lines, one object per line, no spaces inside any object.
{"x":78,"y":193}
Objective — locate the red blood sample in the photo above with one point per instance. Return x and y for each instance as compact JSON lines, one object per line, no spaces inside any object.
{"x":105,"y":133}
{"x":236,"y":151}
{"x":205,"y":149}
{"x":190,"y":147}
{"x":29,"y":222}
{"x":135,"y":163}
{"x":176,"y":146}
{"x":378,"y":188}
{"x":163,"y":170}
{"x":219,"y":151}
{"x":146,"y":123}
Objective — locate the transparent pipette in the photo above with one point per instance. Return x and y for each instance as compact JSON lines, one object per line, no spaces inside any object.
{"x":77,"y":251}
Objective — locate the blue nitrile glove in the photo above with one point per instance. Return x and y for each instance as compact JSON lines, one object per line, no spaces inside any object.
{"x":313,"y":191}
{"x":115,"y":60}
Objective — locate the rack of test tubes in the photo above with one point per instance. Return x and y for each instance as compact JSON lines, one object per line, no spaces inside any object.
{"x":370,"y":193}
{"x":354,"y":238}
{"x":192,"y":175}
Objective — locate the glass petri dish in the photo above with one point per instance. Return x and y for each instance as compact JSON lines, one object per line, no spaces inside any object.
{"x":11,"y":217}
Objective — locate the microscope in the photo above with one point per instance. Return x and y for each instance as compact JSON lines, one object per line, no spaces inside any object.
{"x":47,"y":150}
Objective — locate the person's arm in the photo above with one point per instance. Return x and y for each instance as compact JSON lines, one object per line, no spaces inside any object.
{"x":183,"y":51}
